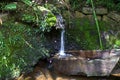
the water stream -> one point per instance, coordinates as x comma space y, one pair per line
60, 24
61, 52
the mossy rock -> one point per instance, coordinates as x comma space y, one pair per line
84, 33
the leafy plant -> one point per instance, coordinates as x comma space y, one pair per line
30, 12
20, 50
20, 46
48, 21
28, 18
112, 39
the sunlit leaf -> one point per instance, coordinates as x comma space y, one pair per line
11, 6
28, 2
117, 42
41, 8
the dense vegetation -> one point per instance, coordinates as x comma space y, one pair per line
22, 39
22, 36
20, 49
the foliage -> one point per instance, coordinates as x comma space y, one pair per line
49, 20
29, 12
28, 18
20, 46
27, 2
112, 39
11, 6
20, 50
42, 16
77, 4
52, 8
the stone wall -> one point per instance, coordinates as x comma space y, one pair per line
103, 14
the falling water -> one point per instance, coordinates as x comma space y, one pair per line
60, 24
61, 52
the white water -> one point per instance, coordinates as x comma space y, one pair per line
61, 52
60, 24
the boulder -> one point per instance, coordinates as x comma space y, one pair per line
66, 14
99, 11
91, 17
89, 63
79, 14
105, 18
109, 20
114, 25
115, 16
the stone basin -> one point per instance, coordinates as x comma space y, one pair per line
89, 63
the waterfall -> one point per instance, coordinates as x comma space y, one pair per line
61, 52
60, 25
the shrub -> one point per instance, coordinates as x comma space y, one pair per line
20, 50
31, 13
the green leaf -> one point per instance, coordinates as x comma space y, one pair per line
88, 1
41, 8
11, 6
28, 18
117, 42
28, 2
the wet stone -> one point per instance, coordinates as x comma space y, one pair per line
115, 16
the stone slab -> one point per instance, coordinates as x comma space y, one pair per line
99, 11
115, 16
96, 63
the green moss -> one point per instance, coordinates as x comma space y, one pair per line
84, 33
